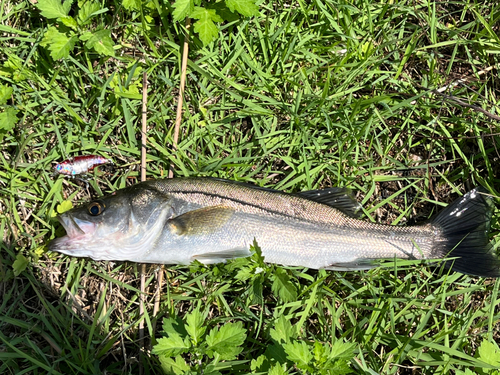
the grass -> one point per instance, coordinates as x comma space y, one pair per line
304, 96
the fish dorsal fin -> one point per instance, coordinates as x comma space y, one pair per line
340, 198
204, 220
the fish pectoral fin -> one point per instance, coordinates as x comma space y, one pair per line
363, 264
340, 198
205, 220
222, 256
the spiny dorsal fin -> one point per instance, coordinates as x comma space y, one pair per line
202, 221
340, 198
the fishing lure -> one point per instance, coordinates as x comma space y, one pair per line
80, 165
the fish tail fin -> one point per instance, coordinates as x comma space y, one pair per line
464, 227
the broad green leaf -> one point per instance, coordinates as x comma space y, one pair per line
256, 291
282, 331
132, 4
244, 274
70, 22
205, 26
105, 46
299, 353
130, 93
256, 363
246, 8
489, 353
223, 11
320, 352
173, 326
19, 264
86, 36
39, 251
100, 41
339, 367
182, 9
257, 254
175, 366
226, 341
171, 346
59, 44
283, 287
194, 325
276, 352
54, 8
86, 11
8, 119
17, 65
277, 369
210, 370
5, 93
341, 350
64, 206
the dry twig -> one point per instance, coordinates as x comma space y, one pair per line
143, 178
178, 119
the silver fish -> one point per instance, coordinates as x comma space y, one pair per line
177, 221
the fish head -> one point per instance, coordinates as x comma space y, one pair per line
121, 226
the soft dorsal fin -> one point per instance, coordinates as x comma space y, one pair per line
340, 198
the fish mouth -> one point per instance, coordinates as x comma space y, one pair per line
77, 233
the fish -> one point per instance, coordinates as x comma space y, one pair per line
181, 220
79, 165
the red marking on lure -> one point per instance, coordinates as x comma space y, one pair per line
80, 165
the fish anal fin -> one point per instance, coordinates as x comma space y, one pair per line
340, 198
362, 264
205, 220
222, 255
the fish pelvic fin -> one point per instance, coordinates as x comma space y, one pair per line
464, 227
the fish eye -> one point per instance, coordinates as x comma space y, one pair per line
96, 208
